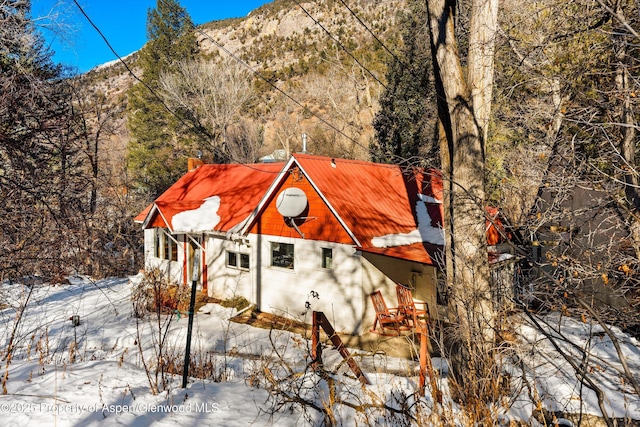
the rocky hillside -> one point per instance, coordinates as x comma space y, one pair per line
318, 70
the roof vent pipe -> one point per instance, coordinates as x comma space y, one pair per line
304, 143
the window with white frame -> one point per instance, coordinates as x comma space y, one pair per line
327, 258
238, 260
282, 255
165, 246
244, 261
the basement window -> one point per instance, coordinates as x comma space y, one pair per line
327, 258
282, 255
238, 260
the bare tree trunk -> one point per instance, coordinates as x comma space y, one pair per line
462, 154
482, 34
625, 116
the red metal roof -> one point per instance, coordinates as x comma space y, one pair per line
374, 202
372, 199
424, 253
240, 188
377, 200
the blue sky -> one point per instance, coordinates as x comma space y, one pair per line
123, 23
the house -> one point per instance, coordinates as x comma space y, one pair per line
581, 238
313, 232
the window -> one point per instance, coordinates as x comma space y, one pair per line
165, 246
238, 260
173, 249
166, 250
282, 255
244, 261
327, 258
157, 246
232, 259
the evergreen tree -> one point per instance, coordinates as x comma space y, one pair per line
158, 146
405, 124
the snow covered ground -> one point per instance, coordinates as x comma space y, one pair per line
101, 380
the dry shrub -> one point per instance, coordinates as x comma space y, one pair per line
238, 302
155, 293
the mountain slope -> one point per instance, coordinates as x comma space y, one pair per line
318, 69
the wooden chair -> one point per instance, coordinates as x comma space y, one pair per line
387, 318
407, 307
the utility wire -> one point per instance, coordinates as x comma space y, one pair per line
256, 73
195, 129
369, 30
399, 60
153, 92
232, 55
122, 60
341, 45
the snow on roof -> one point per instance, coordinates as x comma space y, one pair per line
276, 156
377, 201
425, 233
500, 257
372, 199
239, 188
204, 218
386, 209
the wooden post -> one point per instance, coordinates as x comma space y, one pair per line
422, 329
423, 359
316, 345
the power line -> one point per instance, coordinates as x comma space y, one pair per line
196, 129
369, 30
341, 45
395, 57
155, 95
256, 73
232, 55
159, 99
119, 57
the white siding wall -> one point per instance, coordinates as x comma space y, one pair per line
222, 281
343, 291
172, 269
284, 291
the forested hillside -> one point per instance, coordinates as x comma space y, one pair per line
317, 71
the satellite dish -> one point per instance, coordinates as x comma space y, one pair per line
291, 202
